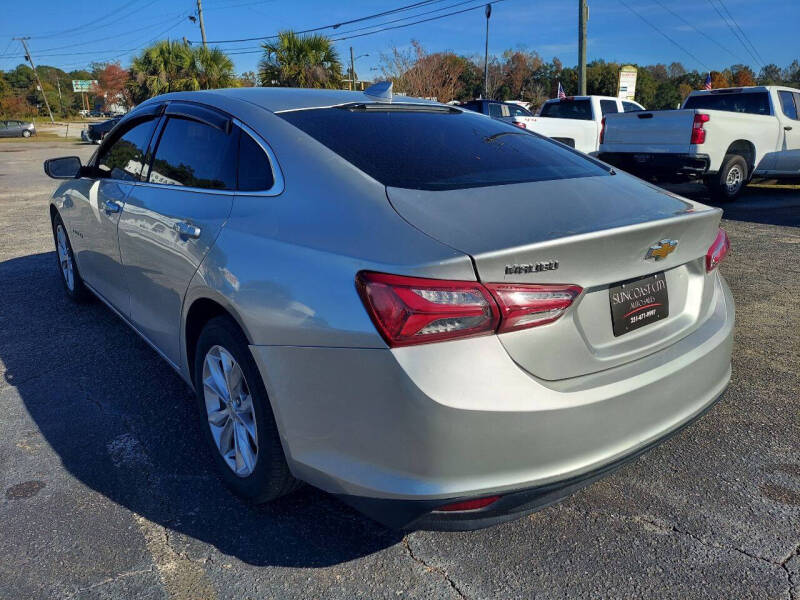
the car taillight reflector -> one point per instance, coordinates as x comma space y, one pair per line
698, 133
524, 306
413, 310
718, 250
520, 124
470, 504
602, 130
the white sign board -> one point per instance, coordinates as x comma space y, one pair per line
627, 83
83, 85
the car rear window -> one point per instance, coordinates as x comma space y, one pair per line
438, 148
755, 103
568, 109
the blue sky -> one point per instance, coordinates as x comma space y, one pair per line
71, 34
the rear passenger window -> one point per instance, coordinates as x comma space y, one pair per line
255, 171
787, 104
608, 107
495, 110
124, 158
194, 154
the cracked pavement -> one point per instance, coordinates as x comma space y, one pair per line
106, 491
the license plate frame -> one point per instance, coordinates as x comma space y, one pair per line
638, 302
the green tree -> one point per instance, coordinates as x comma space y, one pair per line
213, 69
308, 61
163, 67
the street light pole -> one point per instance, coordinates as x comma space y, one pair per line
486, 56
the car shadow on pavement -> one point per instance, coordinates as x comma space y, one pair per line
774, 205
126, 426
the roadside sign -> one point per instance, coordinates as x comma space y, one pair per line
83, 85
627, 82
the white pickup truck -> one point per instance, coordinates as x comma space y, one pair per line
576, 120
724, 137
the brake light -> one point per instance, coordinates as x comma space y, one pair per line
520, 124
524, 306
698, 133
413, 310
602, 129
470, 504
718, 250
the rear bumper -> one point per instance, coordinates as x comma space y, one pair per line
398, 433
658, 164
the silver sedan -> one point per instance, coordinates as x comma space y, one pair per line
440, 318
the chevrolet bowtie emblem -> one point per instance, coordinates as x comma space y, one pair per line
660, 250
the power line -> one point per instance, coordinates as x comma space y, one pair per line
725, 8
668, 38
701, 32
333, 25
735, 33
85, 25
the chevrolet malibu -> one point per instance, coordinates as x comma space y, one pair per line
441, 319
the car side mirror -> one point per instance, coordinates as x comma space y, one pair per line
66, 167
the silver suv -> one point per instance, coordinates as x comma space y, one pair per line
442, 319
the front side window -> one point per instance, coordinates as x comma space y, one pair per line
194, 154
518, 111
125, 158
438, 148
495, 110
568, 109
630, 107
787, 104
608, 107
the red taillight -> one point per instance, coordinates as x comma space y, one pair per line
698, 133
602, 130
523, 306
470, 504
520, 124
718, 250
412, 310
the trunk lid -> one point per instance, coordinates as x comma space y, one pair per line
649, 128
598, 230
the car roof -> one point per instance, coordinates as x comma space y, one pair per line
276, 99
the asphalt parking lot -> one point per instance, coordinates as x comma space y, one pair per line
106, 491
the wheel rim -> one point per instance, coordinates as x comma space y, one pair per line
230, 411
734, 179
65, 258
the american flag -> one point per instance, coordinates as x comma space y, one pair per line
561, 93
708, 82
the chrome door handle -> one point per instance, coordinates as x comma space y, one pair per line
185, 229
111, 207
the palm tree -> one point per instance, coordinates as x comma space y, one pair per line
174, 67
300, 61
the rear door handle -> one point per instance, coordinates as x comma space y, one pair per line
111, 207
185, 229
787, 128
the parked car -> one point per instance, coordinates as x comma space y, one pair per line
577, 120
723, 137
95, 132
17, 129
441, 319
505, 111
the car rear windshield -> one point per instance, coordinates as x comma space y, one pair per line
438, 148
755, 103
568, 109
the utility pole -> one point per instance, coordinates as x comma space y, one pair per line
583, 17
352, 71
202, 24
60, 99
488, 12
39, 81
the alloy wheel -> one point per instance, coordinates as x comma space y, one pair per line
734, 179
230, 411
65, 258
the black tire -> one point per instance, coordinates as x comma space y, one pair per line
729, 182
77, 292
270, 478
